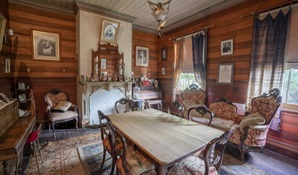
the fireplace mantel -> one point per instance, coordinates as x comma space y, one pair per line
90, 87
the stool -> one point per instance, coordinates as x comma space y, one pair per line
33, 139
148, 103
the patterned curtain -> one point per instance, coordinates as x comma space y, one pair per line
199, 47
178, 53
268, 54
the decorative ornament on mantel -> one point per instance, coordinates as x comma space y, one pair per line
160, 13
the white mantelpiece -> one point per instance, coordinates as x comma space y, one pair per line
90, 88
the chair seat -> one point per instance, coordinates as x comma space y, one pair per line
107, 145
136, 163
191, 165
57, 116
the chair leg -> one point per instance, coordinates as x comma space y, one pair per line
103, 159
77, 123
53, 126
35, 152
39, 150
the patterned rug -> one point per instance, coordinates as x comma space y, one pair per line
82, 155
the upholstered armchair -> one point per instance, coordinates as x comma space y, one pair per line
192, 97
59, 108
251, 132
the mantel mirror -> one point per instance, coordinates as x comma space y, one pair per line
107, 63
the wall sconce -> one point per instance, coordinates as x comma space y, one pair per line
28, 69
64, 70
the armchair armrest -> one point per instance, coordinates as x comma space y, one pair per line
258, 127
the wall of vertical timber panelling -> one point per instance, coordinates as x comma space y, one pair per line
228, 24
6, 80
43, 75
148, 40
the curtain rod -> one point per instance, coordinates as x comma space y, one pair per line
191, 33
270, 9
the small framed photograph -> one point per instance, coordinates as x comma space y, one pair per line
46, 45
109, 31
227, 47
163, 70
225, 73
7, 65
103, 63
2, 29
164, 54
142, 56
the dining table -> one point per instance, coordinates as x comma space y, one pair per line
164, 138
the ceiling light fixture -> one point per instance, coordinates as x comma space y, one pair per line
160, 13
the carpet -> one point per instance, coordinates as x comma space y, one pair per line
82, 155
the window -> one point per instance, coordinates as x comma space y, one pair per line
185, 79
290, 88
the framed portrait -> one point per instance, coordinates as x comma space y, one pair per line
227, 47
163, 70
7, 65
225, 73
142, 56
109, 31
2, 29
46, 45
164, 54
103, 63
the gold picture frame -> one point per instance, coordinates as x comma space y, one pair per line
109, 31
2, 29
45, 45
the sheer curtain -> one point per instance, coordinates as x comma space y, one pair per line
199, 47
268, 54
178, 53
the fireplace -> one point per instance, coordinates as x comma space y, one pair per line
101, 95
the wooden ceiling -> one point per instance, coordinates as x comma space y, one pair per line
181, 11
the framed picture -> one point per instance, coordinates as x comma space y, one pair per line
7, 65
109, 31
142, 56
2, 29
46, 45
163, 70
103, 63
225, 73
227, 47
164, 54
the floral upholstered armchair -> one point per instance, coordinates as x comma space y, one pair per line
252, 130
192, 97
59, 108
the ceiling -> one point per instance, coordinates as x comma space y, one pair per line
138, 11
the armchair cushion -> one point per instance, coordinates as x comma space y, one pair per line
57, 116
191, 165
63, 105
252, 119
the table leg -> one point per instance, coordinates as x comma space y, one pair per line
161, 170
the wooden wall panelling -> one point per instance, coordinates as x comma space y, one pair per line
43, 75
145, 40
285, 142
6, 80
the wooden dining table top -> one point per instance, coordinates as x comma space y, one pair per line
165, 138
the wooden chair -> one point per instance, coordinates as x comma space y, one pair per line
105, 136
202, 115
129, 161
174, 107
128, 103
33, 139
210, 162
59, 108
